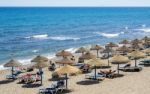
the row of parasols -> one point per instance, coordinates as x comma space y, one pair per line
41, 61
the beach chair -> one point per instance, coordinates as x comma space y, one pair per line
54, 88
92, 77
145, 63
124, 67
131, 69
11, 77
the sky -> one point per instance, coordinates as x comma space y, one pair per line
52, 3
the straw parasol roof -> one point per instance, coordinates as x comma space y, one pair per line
39, 58
87, 56
96, 62
136, 41
96, 47
124, 42
41, 62
147, 51
63, 53
67, 69
136, 54
119, 59
13, 63
107, 50
124, 49
111, 44
146, 38
81, 50
65, 60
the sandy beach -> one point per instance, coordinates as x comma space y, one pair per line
130, 83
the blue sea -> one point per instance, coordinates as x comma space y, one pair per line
26, 32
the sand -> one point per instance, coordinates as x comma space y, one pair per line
131, 83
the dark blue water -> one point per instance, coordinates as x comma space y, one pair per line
23, 31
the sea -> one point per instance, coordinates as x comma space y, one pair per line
28, 31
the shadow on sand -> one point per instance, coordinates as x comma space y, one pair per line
6, 81
31, 85
88, 82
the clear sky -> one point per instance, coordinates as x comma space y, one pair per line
74, 2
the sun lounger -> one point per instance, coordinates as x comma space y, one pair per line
92, 77
145, 63
131, 69
11, 77
54, 88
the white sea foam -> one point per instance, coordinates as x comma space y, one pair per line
64, 38
108, 35
72, 50
144, 25
126, 28
42, 36
143, 29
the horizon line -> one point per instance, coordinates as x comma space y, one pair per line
82, 6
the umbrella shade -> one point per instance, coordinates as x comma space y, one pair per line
146, 38
40, 58
81, 50
111, 44
63, 53
67, 69
119, 59
136, 54
136, 41
40, 62
147, 51
65, 60
96, 47
124, 49
12, 63
96, 62
88, 55
40, 65
124, 42
108, 50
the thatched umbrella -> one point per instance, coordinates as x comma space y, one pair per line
64, 61
111, 45
81, 50
124, 49
124, 42
136, 41
67, 69
108, 51
97, 48
147, 51
119, 59
136, 55
87, 56
13, 63
97, 63
64, 53
40, 62
146, 38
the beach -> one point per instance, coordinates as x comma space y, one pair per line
130, 83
